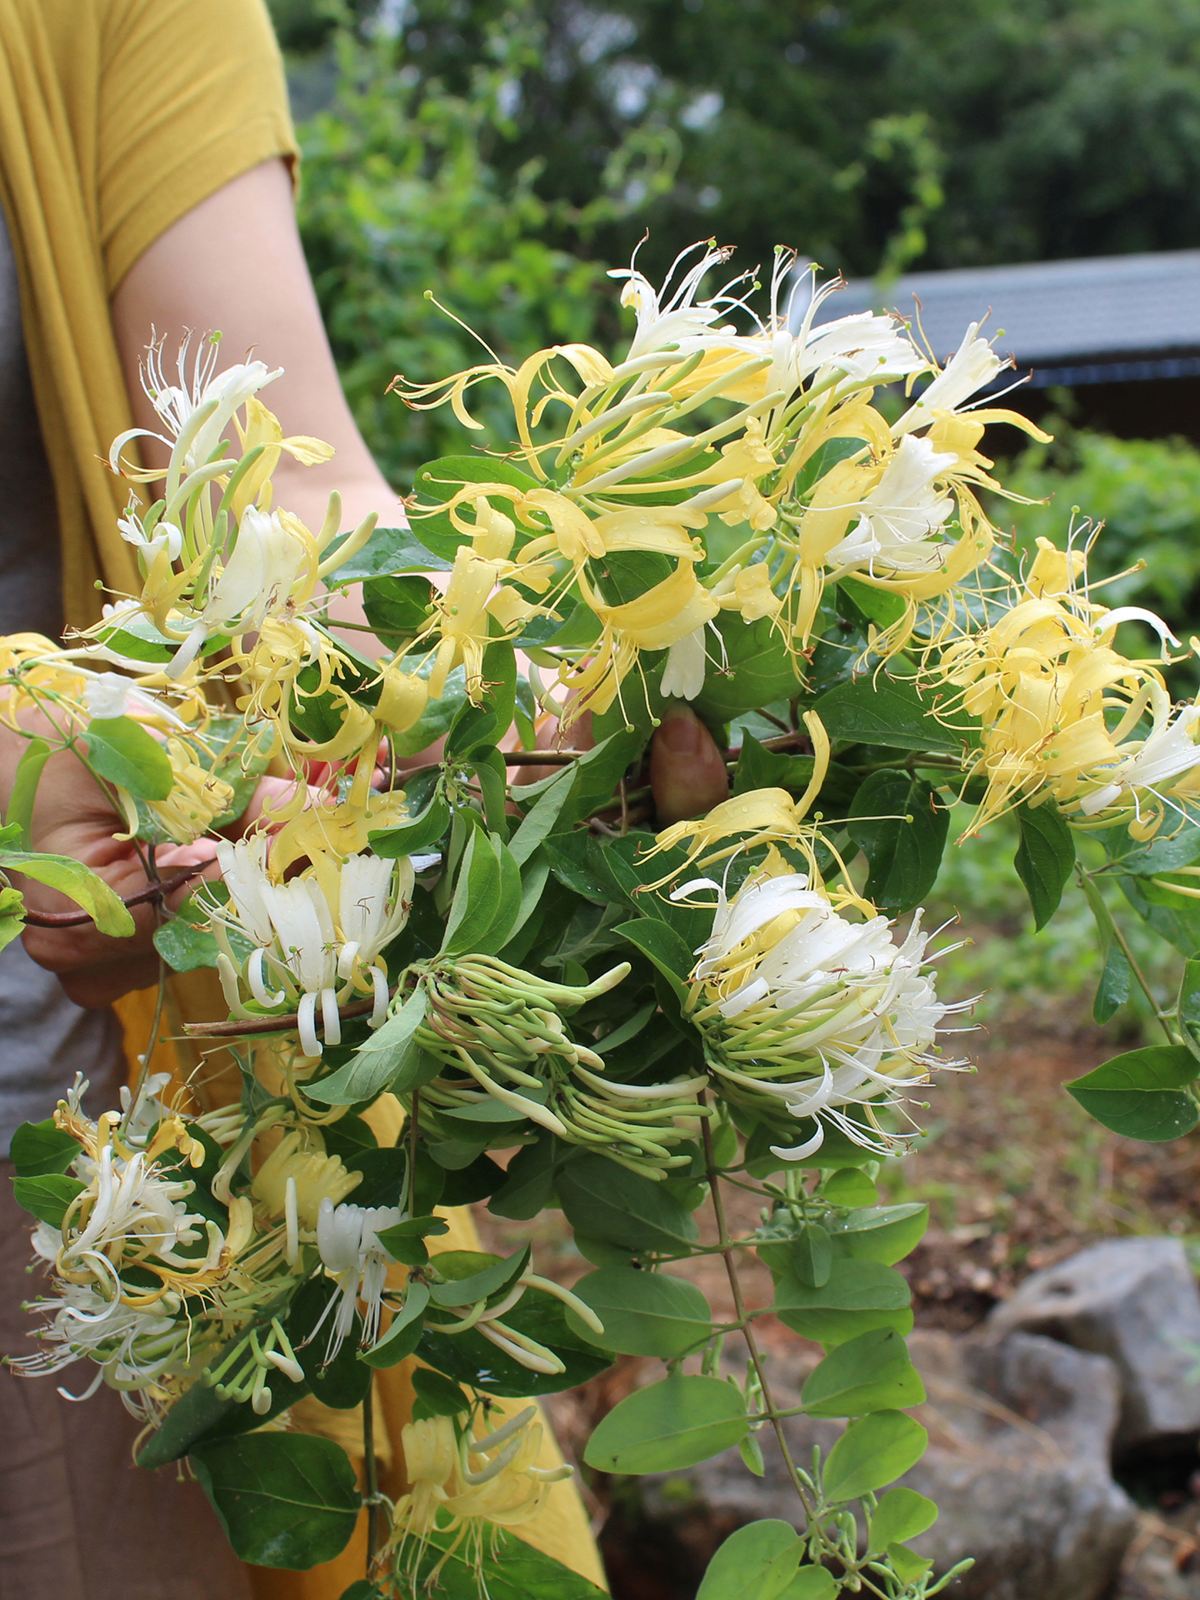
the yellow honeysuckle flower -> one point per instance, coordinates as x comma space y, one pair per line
262, 430
663, 616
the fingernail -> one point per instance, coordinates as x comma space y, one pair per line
683, 734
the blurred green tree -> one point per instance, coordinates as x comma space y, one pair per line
1029, 130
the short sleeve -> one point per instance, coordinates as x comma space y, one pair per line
192, 95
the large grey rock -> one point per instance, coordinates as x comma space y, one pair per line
1136, 1302
1020, 1431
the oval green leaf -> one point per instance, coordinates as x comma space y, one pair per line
668, 1426
872, 1452
644, 1313
1140, 1094
869, 1373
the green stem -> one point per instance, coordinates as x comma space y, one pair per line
770, 1410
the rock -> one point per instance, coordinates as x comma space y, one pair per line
1020, 1431
1135, 1301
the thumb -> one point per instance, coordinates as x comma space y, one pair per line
687, 771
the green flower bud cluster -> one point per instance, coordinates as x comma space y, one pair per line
497, 1031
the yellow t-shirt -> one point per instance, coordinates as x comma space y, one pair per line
117, 117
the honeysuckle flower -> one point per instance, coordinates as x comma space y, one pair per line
295, 1180
971, 368
348, 1242
1147, 768
195, 409
901, 514
866, 347
318, 937
1063, 714
812, 1007
465, 1481
673, 318
663, 616
134, 1348
273, 566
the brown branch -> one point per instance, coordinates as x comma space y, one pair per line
152, 892
239, 1028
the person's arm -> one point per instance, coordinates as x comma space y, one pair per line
235, 263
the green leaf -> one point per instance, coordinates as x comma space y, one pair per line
811, 1255
120, 749
756, 670
404, 1332
12, 916
644, 1313
184, 941
755, 1563
1138, 1094
285, 1499
378, 1062
1044, 858
869, 1373
666, 949
849, 1187
872, 1452
39, 1148
606, 1202
473, 907
510, 1569
473, 1275
880, 1233
436, 1396
47, 1197
879, 708
901, 1514
507, 903
899, 825
389, 551
856, 1296
668, 1426
24, 788
1115, 986
538, 822
396, 607
426, 828
78, 883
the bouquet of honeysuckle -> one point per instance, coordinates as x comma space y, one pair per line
442, 985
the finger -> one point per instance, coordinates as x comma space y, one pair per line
688, 775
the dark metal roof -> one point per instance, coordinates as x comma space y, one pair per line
1103, 319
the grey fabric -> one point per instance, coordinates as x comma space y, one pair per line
44, 1039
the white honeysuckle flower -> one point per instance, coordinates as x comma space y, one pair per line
785, 977
348, 1242
177, 403
270, 559
132, 1346
673, 318
900, 514
133, 1204
166, 535
317, 937
971, 368
1148, 766
864, 347
687, 661
108, 694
